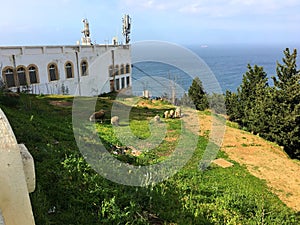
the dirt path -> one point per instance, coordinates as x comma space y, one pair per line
263, 159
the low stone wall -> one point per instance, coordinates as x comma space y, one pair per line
17, 178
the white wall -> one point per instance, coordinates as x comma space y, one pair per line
98, 57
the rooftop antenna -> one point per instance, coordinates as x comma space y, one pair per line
126, 28
86, 40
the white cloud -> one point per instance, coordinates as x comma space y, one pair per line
215, 8
207, 10
147, 4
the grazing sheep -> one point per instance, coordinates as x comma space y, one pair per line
178, 112
166, 114
156, 119
98, 116
115, 121
172, 113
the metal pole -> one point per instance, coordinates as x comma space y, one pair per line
113, 69
78, 72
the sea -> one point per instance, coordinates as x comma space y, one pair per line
227, 65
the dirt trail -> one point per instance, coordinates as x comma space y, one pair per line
263, 159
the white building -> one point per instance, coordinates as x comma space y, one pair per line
84, 69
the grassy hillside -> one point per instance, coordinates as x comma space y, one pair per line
69, 191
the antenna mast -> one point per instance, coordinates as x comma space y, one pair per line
86, 40
126, 28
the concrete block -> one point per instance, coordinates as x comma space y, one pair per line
28, 165
15, 203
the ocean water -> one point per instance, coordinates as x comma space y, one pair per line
227, 64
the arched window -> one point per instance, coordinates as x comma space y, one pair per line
127, 68
122, 69
110, 70
69, 70
8, 75
84, 68
33, 74
117, 70
21, 73
53, 72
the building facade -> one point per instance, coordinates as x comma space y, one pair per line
84, 69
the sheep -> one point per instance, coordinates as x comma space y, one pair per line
115, 121
172, 113
166, 114
178, 112
98, 116
156, 119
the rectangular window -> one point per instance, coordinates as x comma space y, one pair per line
117, 84
123, 82
128, 81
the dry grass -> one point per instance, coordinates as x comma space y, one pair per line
264, 160
61, 103
222, 163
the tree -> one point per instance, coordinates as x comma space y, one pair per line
286, 95
197, 94
247, 106
255, 89
273, 112
217, 103
232, 104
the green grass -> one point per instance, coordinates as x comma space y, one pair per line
81, 196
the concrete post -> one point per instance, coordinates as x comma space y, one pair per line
16, 178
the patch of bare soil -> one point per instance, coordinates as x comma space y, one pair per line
61, 103
222, 163
263, 159
266, 161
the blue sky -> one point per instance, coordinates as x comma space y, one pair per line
35, 22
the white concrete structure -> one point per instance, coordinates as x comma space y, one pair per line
83, 69
17, 178
86, 70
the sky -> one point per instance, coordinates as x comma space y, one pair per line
187, 22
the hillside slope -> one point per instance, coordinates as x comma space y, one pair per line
264, 160
69, 191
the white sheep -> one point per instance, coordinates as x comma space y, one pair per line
115, 121
166, 114
178, 112
172, 112
156, 119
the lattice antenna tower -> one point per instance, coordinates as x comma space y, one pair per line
126, 28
